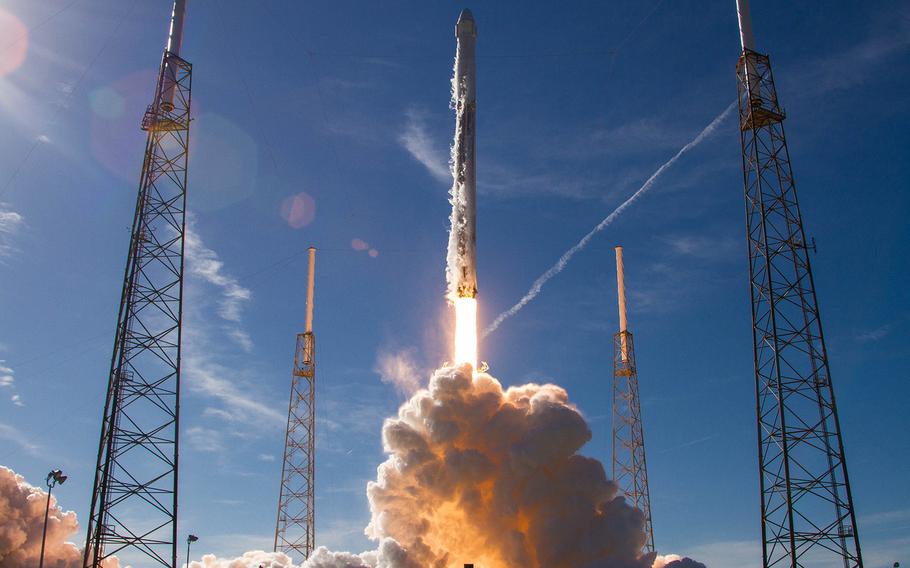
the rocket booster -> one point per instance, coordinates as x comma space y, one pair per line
462, 261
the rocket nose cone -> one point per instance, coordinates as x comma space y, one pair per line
466, 26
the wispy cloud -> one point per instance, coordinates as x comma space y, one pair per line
876, 334
210, 377
739, 553
418, 142
702, 247
400, 369
13, 435
6, 375
10, 224
853, 66
8, 381
885, 517
215, 302
204, 263
205, 439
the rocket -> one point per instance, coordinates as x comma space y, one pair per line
462, 254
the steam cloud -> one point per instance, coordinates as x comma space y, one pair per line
399, 369
674, 561
478, 473
538, 284
21, 523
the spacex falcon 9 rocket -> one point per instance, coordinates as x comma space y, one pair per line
461, 266
463, 238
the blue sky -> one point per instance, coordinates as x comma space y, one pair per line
325, 122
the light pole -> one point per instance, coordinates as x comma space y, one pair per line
189, 540
53, 478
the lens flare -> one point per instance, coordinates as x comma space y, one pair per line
466, 331
12, 55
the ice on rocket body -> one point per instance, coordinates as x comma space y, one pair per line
463, 244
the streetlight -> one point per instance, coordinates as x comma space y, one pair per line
53, 478
189, 539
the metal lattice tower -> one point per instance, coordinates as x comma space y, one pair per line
630, 471
134, 499
295, 530
806, 504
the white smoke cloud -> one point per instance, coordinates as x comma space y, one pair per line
675, 561
478, 473
252, 559
10, 223
417, 141
399, 369
21, 523
563, 261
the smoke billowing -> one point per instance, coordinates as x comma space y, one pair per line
475, 473
253, 559
21, 523
480, 474
674, 561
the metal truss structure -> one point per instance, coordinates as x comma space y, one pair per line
295, 530
134, 499
806, 504
630, 470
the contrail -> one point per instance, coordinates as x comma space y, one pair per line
567, 256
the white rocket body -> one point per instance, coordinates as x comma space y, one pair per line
746, 39
462, 265
174, 43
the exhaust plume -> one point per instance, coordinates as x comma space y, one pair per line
22, 521
674, 561
538, 284
478, 473
491, 476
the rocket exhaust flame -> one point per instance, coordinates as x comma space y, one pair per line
466, 331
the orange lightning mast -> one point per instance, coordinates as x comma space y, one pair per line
295, 530
630, 471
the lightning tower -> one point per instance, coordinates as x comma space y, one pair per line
134, 499
806, 506
630, 470
295, 530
